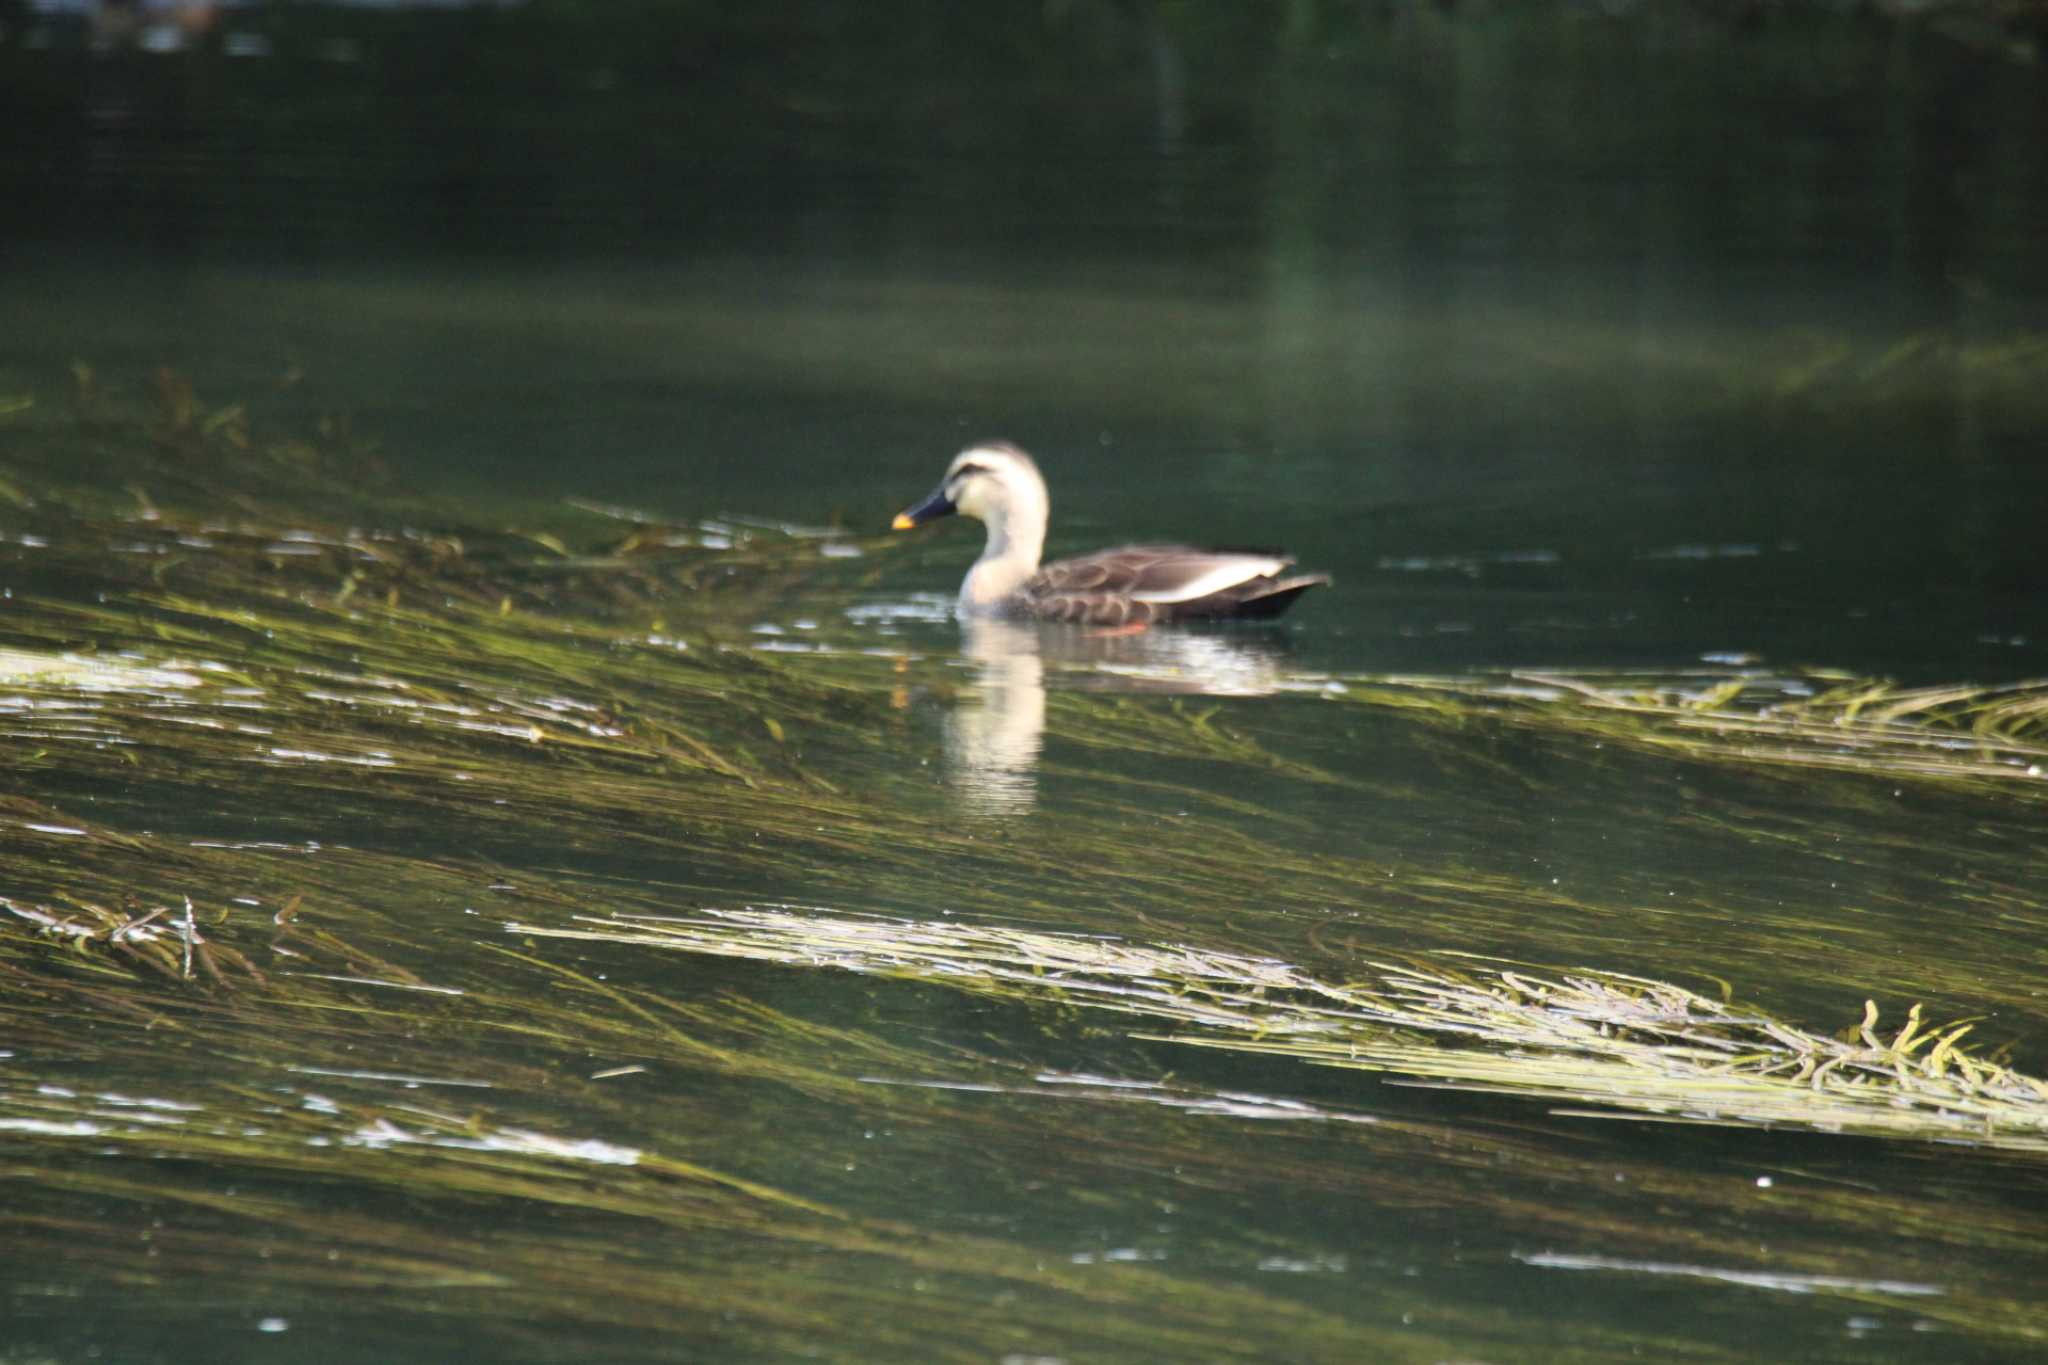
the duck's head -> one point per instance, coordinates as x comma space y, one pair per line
994, 483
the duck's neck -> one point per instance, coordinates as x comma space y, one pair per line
1011, 556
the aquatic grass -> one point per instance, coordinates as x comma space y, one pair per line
146, 486
335, 1064
304, 1076
610, 748
498, 725
1179, 728
1258, 1004
640, 1257
448, 607
1993, 736
301, 1072
279, 791
1831, 372
1627, 1044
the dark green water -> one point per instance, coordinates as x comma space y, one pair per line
1563, 340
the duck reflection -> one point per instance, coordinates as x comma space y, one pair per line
994, 735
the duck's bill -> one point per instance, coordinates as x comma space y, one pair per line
936, 506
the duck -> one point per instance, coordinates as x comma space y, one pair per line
1131, 586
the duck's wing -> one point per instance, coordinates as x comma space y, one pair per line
1137, 584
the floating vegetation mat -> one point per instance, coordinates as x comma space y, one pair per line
1647, 1048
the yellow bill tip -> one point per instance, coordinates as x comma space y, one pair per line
902, 522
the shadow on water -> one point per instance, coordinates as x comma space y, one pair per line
491, 862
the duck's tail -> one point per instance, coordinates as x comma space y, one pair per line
1268, 600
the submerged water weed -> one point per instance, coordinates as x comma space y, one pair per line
1924, 368
284, 772
606, 1130
267, 673
1647, 1046
1992, 737
503, 1076
1627, 1044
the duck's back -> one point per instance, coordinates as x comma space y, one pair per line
1148, 584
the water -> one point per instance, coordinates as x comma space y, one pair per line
1566, 341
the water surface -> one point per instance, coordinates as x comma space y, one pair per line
1567, 343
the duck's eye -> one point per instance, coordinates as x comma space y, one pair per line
964, 470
